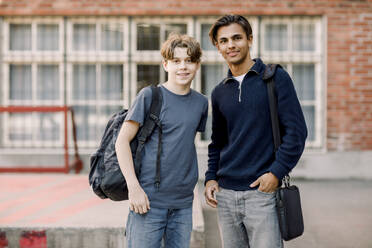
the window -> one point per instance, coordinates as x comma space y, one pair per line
296, 42
20, 37
97, 62
96, 66
211, 75
47, 37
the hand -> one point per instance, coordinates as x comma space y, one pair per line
211, 188
268, 183
138, 201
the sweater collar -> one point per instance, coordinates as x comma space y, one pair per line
257, 68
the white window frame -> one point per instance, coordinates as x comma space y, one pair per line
97, 55
154, 56
33, 54
291, 57
94, 102
98, 58
33, 58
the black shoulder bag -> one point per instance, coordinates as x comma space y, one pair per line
288, 201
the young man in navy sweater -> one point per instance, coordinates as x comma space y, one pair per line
243, 171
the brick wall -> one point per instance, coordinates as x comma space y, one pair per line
349, 43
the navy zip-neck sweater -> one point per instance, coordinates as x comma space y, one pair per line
242, 147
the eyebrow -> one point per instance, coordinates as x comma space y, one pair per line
233, 36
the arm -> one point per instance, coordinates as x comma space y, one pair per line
292, 126
293, 133
138, 201
219, 140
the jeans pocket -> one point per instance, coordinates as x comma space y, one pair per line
265, 193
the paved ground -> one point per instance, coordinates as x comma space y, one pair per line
337, 214
64, 211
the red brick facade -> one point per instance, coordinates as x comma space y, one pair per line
349, 46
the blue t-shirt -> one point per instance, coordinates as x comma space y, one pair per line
181, 117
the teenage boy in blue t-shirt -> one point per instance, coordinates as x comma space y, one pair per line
165, 211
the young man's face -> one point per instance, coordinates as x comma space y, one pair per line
181, 70
233, 43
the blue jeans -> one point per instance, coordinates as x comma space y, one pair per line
174, 226
248, 219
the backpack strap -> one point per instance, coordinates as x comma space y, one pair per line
152, 120
268, 77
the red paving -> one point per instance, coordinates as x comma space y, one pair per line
29, 200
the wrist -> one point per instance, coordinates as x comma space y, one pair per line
211, 183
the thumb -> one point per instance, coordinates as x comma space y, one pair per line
255, 183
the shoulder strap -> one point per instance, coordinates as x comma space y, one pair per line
268, 77
151, 121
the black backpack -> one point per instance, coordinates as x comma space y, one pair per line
105, 176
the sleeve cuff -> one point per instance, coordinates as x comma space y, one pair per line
278, 170
209, 177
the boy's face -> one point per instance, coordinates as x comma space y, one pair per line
181, 70
233, 43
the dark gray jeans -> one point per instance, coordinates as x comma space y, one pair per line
248, 219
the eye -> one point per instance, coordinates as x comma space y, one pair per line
188, 61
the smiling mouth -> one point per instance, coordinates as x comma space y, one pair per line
232, 54
183, 74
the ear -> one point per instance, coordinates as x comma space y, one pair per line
198, 65
250, 41
217, 46
165, 65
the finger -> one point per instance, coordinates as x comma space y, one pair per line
255, 183
136, 209
210, 193
143, 208
213, 204
131, 207
147, 203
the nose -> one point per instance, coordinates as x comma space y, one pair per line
230, 43
182, 64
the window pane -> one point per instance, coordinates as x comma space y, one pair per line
175, 28
304, 81
112, 37
48, 127
47, 37
211, 75
86, 120
147, 75
20, 37
309, 113
148, 37
112, 82
304, 37
20, 82
84, 37
20, 126
84, 82
205, 41
48, 87
276, 37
